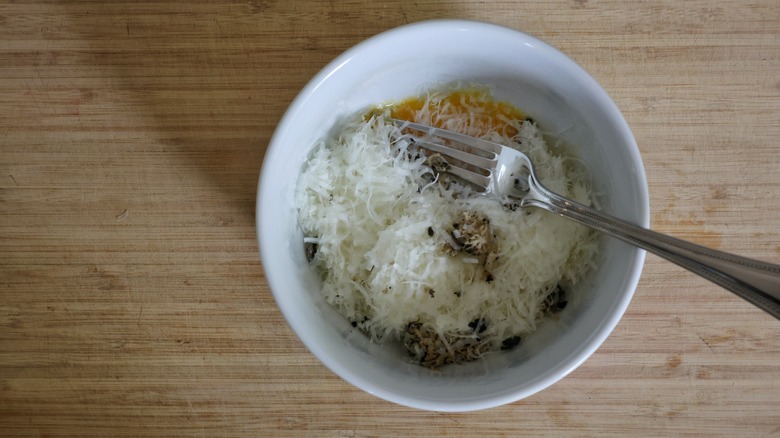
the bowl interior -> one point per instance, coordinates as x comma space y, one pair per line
536, 78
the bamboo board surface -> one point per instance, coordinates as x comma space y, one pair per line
132, 301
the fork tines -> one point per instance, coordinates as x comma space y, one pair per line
468, 158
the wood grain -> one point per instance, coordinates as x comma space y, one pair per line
132, 301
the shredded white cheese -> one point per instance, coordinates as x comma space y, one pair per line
382, 231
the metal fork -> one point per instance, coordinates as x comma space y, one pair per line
503, 171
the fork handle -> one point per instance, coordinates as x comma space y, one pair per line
755, 281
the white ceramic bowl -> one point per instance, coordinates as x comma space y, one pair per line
549, 87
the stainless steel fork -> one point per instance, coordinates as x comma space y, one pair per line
503, 171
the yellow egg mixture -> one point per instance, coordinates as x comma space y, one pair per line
440, 109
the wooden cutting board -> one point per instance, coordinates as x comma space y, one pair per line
132, 301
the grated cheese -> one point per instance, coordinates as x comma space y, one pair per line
385, 247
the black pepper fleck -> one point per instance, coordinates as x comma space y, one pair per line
555, 301
478, 325
311, 251
510, 343
430, 231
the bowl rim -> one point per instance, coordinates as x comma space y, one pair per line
594, 341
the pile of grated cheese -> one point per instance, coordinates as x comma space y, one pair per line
383, 232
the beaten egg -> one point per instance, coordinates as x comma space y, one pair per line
485, 113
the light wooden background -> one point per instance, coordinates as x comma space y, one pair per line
132, 301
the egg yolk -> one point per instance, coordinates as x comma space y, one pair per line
484, 113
